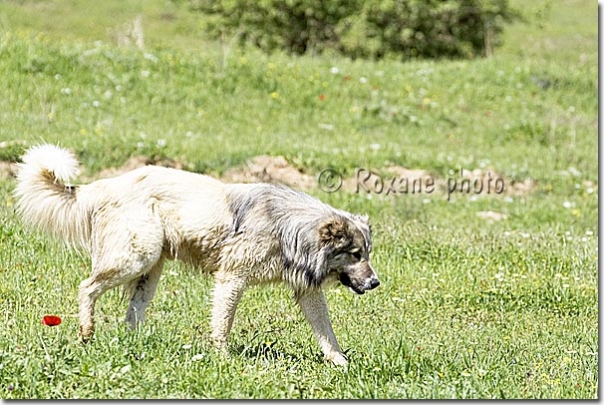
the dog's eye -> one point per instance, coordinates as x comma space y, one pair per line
356, 255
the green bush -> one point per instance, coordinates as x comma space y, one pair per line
367, 29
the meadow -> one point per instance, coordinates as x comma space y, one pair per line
482, 295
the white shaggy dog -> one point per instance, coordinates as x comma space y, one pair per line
240, 233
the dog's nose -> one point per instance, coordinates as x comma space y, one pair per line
374, 283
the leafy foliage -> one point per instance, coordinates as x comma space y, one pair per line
368, 29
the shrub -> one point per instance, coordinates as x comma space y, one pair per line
368, 29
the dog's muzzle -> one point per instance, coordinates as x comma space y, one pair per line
360, 281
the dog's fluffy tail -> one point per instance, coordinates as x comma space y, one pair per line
46, 200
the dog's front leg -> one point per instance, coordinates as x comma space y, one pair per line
226, 296
314, 307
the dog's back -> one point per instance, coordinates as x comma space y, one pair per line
186, 202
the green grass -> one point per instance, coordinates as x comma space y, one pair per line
467, 308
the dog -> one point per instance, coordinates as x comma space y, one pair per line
241, 234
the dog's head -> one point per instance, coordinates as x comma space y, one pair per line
347, 244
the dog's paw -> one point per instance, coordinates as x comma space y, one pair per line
221, 346
339, 360
218, 342
86, 334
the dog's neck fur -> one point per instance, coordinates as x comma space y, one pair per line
294, 218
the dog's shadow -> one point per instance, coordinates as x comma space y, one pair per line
264, 351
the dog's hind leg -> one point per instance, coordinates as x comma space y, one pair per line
142, 290
125, 246
226, 295
314, 307
90, 290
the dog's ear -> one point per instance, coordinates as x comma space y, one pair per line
333, 232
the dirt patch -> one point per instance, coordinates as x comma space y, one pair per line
395, 180
270, 169
277, 170
392, 179
410, 174
7, 170
134, 163
493, 182
520, 188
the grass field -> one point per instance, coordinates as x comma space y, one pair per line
468, 307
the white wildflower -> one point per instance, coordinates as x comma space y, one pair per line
197, 357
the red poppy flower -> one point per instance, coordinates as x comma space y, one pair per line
51, 320
322, 97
